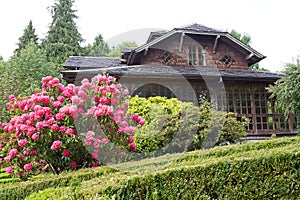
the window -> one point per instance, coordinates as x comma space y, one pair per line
152, 90
166, 57
227, 60
197, 55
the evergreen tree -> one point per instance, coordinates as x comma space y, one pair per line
100, 47
63, 39
116, 52
28, 36
245, 38
22, 74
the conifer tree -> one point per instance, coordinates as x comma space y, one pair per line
100, 47
63, 39
27, 37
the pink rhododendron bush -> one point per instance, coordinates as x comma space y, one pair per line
67, 127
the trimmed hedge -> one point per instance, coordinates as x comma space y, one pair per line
23, 189
269, 175
255, 170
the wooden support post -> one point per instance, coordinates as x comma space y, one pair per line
273, 114
253, 110
216, 44
181, 41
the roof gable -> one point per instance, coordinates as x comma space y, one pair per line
253, 56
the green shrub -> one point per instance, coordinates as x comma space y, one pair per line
25, 188
255, 175
175, 126
170, 124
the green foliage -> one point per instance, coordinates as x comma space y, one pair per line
116, 52
236, 176
27, 37
246, 38
63, 39
174, 126
23, 189
100, 47
22, 74
161, 116
233, 129
286, 90
2, 62
224, 172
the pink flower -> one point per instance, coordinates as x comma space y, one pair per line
27, 167
90, 135
132, 147
55, 81
95, 164
7, 159
35, 136
73, 164
70, 131
129, 129
20, 174
11, 97
46, 79
66, 153
51, 121
95, 154
26, 152
105, 141
56, 145
13, 153
54, 127
59, 116
97, 144
60, 99
130, 139
34, 152
125, 92
62, 129
20, 155
142, 121
10, 170
39, 125
56, 104
22, 143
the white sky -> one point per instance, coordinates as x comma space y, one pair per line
272, 25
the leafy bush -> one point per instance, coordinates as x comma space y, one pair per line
175, 126
51, 129
169, 123
22, 74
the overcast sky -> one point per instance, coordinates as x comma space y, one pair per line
272, 25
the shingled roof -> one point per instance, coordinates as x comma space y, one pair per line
82, 62
199, 28
185, 71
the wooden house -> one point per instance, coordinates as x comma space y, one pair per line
190, 61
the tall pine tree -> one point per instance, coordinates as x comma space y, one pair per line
63, 39
27, 37
100, 47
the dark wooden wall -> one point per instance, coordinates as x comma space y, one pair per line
178, 51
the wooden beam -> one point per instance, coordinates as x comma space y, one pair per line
249, 56
216, 44
181, 41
